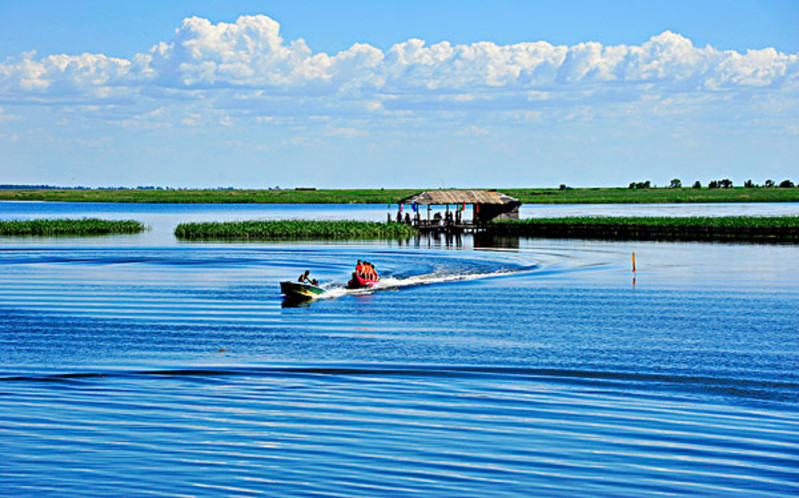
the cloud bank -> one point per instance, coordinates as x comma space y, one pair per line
247, 67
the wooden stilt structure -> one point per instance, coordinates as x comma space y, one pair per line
486, 207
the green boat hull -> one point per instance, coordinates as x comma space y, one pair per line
297, 290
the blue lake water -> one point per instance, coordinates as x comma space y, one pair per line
137, 365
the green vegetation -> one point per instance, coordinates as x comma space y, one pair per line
564, 195
211, 196
294, 229
730, 228
652, 195
85, 226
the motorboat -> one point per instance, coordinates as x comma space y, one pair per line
300, 290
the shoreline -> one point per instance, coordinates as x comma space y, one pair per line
530, 196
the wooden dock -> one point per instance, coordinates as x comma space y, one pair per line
433, 226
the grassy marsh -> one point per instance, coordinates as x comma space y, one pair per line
84, 226
728, 228
293, 229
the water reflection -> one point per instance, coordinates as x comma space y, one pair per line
479, 240
295, 302
487, 240
439, 239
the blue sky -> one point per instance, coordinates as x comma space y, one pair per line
397, 94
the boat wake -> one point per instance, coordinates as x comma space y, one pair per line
388, 283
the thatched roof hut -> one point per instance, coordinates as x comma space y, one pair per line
444, 197
488, 205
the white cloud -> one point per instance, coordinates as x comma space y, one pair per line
63, 73
247, 67
13, 137
247, 53
473, 131
346, 132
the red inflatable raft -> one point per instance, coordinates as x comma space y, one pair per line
358, 282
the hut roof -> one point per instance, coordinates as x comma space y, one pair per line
441, 197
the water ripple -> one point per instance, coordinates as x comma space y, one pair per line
394, 430
538, 369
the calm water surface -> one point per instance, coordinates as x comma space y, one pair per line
139, 365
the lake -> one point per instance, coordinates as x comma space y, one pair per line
140, 365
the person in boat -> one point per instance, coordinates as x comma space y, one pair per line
370, 273
366, 273
306, 279
359, 268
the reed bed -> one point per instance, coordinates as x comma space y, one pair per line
294, 229
84, 226
728, 228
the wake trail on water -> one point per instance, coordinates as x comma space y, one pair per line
394, 283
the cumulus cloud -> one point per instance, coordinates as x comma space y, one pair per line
248, 66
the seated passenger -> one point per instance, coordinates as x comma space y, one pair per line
364, 273
371, 273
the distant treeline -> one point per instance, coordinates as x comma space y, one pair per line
675, 183
39, 187
713, 184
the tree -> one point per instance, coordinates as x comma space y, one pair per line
725, 183
769, 183
675, 183
713, 184
749, 184
697, 184
786, 184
